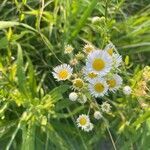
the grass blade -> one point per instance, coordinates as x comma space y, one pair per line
83, 19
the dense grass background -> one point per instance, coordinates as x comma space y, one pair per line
32, 42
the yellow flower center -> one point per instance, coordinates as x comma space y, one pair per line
69, 49
111, 83
78, 83
92, 75
99, 87
82, 121
63, 74
110, 51
88, 49
98, 64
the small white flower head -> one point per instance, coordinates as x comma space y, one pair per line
82, 99
117, 60
89, 127
98, 87
68, 49
73, 96
80, 56
109, 49
90, 75
12, 58
99, 61
106, 107
146, 73
78, 84
83, 121
88, 48
97, 115
127, 90
73, 62
114, 82
62, 72
96, 20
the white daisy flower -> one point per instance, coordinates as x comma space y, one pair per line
83, 121
117, 60
98, 87
114, 82
106, 107
73, 96
109, 49
97, 115
89, 127
68, 49
99, 61
88, 48
62, 72
127, 90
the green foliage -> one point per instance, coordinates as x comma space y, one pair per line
35, 112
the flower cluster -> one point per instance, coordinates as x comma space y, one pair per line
83, 121
95, 74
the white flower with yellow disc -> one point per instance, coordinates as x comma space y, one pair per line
88, 48
83, 121
109, 49
99, 61
117, 60
68, 49
114, 82
98, 87
62, 72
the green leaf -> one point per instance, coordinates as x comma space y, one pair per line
7, 24
55, 138
20, 71
3, 42
63, 104
83, 19
57, 92
141, 119
32, 78
73, 112
28, 136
